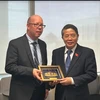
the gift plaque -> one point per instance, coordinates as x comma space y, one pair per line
51, 73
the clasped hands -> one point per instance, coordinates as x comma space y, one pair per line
64, 81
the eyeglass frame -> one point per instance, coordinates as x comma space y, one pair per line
37, 25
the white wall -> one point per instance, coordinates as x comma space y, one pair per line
3, 32
13, 18
84, 14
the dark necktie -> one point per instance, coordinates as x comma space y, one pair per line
35, 54
68, 60
36, 61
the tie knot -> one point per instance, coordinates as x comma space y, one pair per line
69, 52
34, 43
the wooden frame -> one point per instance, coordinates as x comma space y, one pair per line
51, 72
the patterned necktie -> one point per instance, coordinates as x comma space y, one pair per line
35, 54
36, 61
68, 60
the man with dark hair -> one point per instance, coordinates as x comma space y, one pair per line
78, 65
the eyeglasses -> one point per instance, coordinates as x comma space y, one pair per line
38, 25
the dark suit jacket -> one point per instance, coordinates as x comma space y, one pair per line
19, 63
82, 70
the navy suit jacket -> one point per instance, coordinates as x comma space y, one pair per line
82, 69
19, 63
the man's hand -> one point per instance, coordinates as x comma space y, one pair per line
37, 74
53, 83
66, 81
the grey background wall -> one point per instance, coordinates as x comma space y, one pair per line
84, 14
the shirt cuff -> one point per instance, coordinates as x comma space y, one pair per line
72, 80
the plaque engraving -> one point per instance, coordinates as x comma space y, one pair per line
51, 72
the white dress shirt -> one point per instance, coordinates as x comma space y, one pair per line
71, 55
32, 49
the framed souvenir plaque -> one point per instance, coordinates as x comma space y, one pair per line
51, 73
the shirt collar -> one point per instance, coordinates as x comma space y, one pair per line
30, 40
73, 49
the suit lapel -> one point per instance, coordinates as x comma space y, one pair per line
41, 49
27, 47
75, 58
62, 63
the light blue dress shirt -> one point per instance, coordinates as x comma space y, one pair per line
32, 49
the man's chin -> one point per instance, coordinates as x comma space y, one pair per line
38, 36
70, 46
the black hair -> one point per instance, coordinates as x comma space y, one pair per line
69, 26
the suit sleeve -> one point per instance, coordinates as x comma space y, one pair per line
12, 65
53, 58
90, 70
